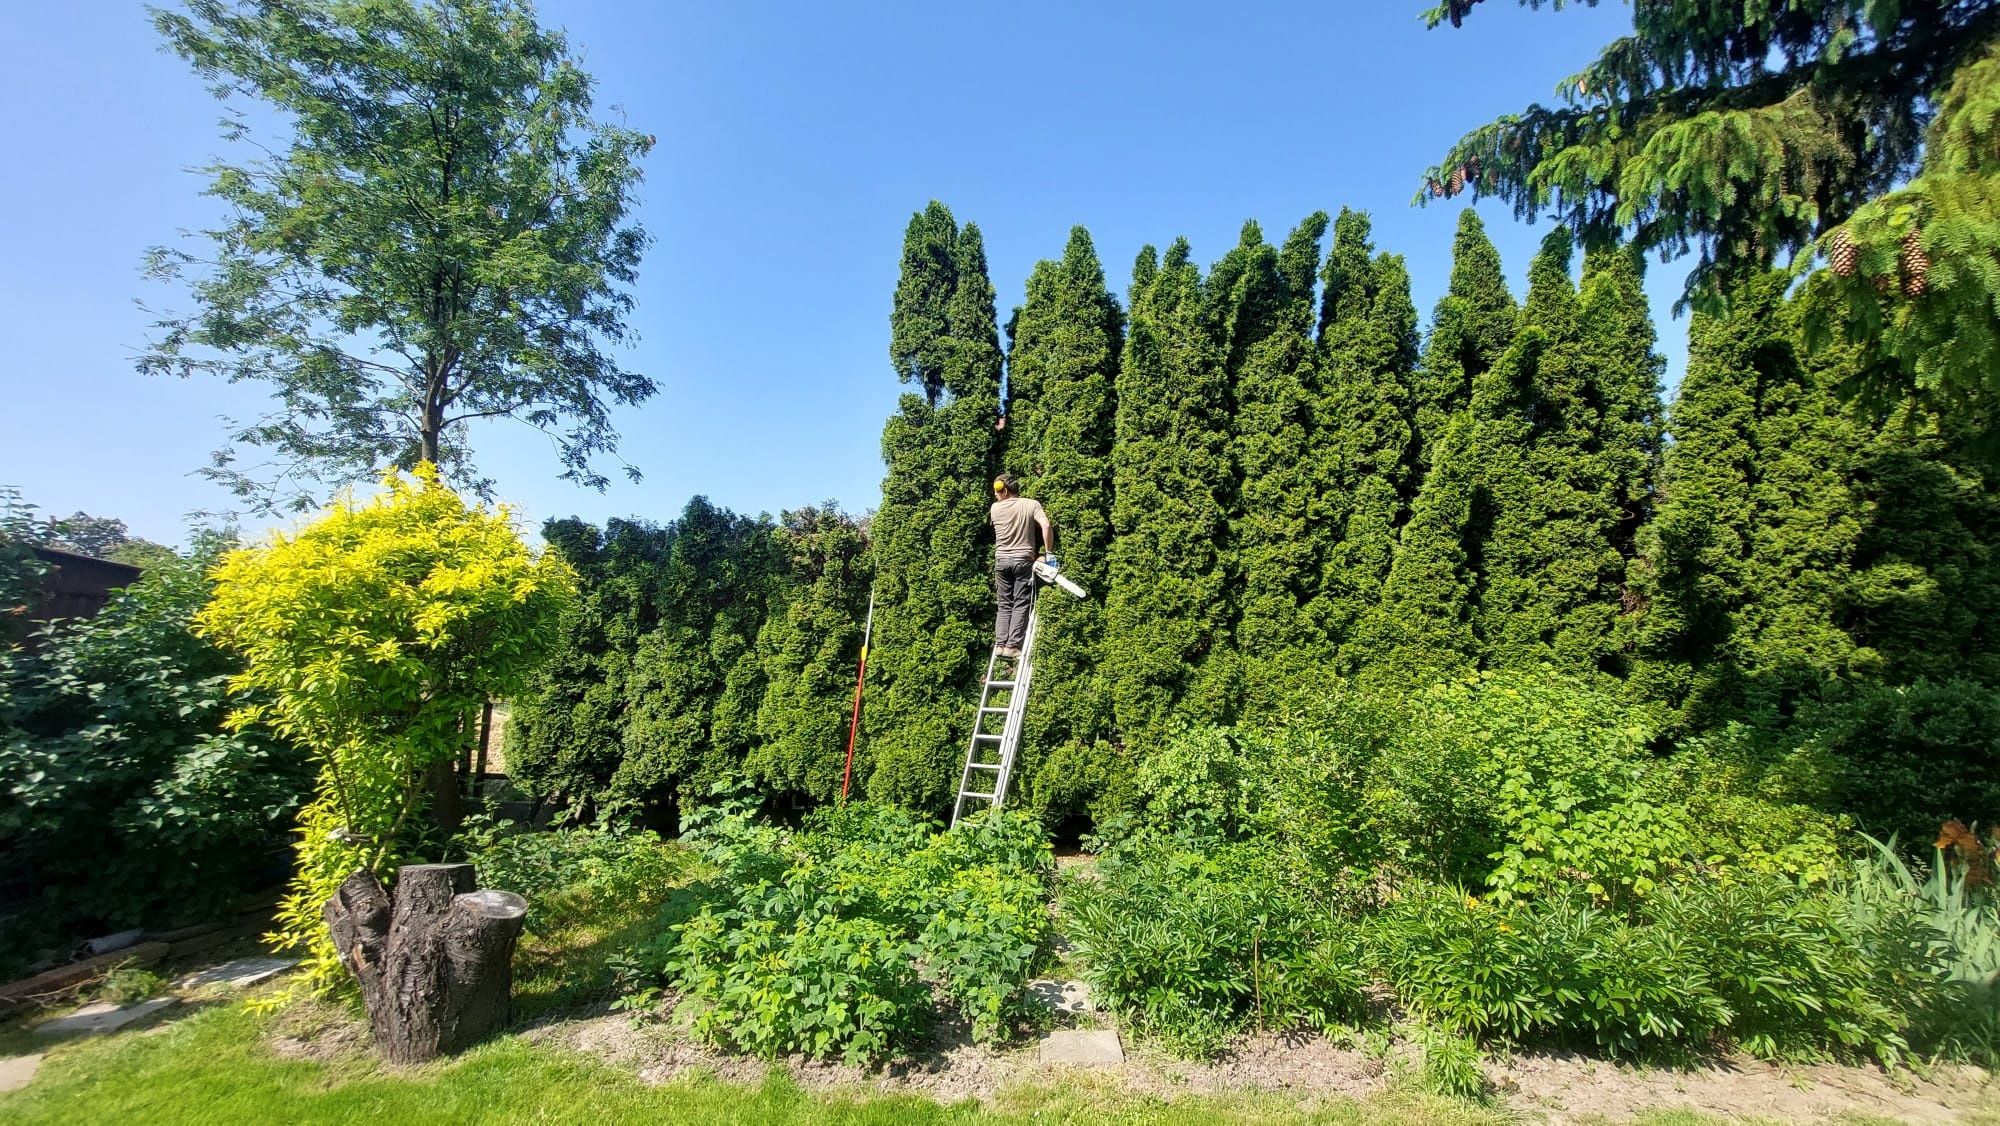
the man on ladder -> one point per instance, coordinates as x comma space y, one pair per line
1016, 520
989, 754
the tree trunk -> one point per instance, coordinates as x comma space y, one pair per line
435, 963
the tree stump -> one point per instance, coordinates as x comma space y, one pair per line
436, 964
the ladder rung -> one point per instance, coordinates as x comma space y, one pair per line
999, 684
993, 738
994, 711
982, 766
970, 794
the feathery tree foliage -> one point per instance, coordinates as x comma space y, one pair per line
566, 733
1743, 569
932, 555
1263, 310
443, 238
1551, 467
695, 685
1472, 324
1062, 372
1168, 614
1753, 133
1368, 353
806, 653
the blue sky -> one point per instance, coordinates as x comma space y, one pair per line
795, 141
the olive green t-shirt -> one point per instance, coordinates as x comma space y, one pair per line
1014, 531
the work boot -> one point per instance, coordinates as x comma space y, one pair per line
1008, 652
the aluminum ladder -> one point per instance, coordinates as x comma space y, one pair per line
989, 755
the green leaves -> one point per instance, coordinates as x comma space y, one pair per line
450, 591
824, 942
441, 238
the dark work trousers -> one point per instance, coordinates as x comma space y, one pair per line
1014, 589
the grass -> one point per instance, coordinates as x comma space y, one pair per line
214, 1067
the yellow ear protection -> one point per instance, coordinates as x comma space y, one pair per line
999, 485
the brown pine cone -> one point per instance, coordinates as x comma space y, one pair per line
1456, 183
1916, 265
1842, 254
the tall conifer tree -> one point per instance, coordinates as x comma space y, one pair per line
1471, 326
693, 693
806, 653
1422, 627
1368, 353
933, 571
1545, 519
1264, 323
1062, 372
1167, 612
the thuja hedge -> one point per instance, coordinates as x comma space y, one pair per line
1270, 472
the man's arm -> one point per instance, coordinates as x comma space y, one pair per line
1048, 530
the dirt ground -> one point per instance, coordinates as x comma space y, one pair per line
1542, 1088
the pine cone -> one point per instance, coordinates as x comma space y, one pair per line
1916, 265
1843, 254
1456, 184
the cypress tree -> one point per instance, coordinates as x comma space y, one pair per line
806, 653
1264, 324
692, 697
1368, 353
1167, 613
1421, 629
1625, 389
1542, 510
1471, 326
1062, 372
565, 735
932, 556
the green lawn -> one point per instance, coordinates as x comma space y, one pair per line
213, 1067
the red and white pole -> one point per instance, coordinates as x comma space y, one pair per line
860, 678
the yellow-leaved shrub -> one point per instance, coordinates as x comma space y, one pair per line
368, 637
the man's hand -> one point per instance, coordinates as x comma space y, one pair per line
1054, 563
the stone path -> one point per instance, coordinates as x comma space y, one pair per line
1083, 1048
239, 974
101, 1017
16, 1072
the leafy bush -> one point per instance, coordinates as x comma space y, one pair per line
122, 799
823, 941
1192, 945
371, 637
1877, 965
1907, 758
571, 875
1525, 784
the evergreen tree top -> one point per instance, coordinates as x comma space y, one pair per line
1760, 134
918, 325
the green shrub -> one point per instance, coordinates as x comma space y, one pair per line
830, 940
1908, 758
818, 984
571, 875
1562, 969
122, 799
1525, 784
1191, 945
371, 637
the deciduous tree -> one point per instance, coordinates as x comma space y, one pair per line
441, 237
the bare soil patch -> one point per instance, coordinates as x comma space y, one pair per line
1541, 1088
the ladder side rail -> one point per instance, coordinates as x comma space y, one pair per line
972, 743
1017, 704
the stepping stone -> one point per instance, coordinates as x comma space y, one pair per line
239, 974
19, 1071
1062, 996
1083, 1048
102, 1017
